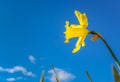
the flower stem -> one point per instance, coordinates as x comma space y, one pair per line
108, 47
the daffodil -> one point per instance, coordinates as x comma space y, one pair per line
77, 31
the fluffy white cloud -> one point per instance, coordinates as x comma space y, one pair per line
62, 75
32, 59
17, 69
13, 79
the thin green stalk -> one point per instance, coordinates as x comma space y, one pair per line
88, 75
108, 47
56, 77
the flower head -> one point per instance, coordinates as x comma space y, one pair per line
77, 31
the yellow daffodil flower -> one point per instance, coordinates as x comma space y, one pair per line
77, 31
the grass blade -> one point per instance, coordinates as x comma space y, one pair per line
116, 74
88, 75
56, 77
42, 77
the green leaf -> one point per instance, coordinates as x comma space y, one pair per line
42, 77
116, 74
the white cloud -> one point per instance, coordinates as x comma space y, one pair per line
10, 79
62, 75
13, 79
32, 59
17, 69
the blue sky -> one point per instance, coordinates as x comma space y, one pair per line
32, 39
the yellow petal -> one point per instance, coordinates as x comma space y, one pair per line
76, 49
83, 43
82, 18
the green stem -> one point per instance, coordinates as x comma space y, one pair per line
88, 75
108, 47
56, 77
